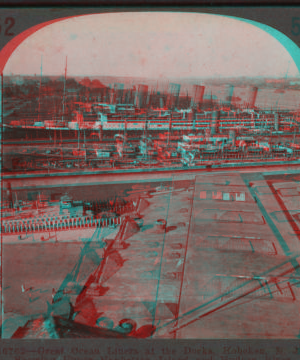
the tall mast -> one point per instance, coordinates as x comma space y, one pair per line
40, 88
64, 95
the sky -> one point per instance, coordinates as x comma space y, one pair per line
152, 45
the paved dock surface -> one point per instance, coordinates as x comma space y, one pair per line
216, 256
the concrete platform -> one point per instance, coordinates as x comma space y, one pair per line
222, 262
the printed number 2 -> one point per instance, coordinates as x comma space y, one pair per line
296, 26
10, 21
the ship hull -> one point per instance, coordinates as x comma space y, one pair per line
31, 134
52, 135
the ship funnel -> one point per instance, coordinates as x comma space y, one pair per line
253, 97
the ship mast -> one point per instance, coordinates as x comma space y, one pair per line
40, 88
295, 122
64, 96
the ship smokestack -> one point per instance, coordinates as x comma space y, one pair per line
230, 95
161, 102
215, 122
276, 121
253, 97
232, 136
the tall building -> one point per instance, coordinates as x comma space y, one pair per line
110, 94
141, 96
197, 95
118, 93
173, 95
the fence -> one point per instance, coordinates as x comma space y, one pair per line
64, 222
246, 156
41, 225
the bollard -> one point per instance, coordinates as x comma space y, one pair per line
161, 224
